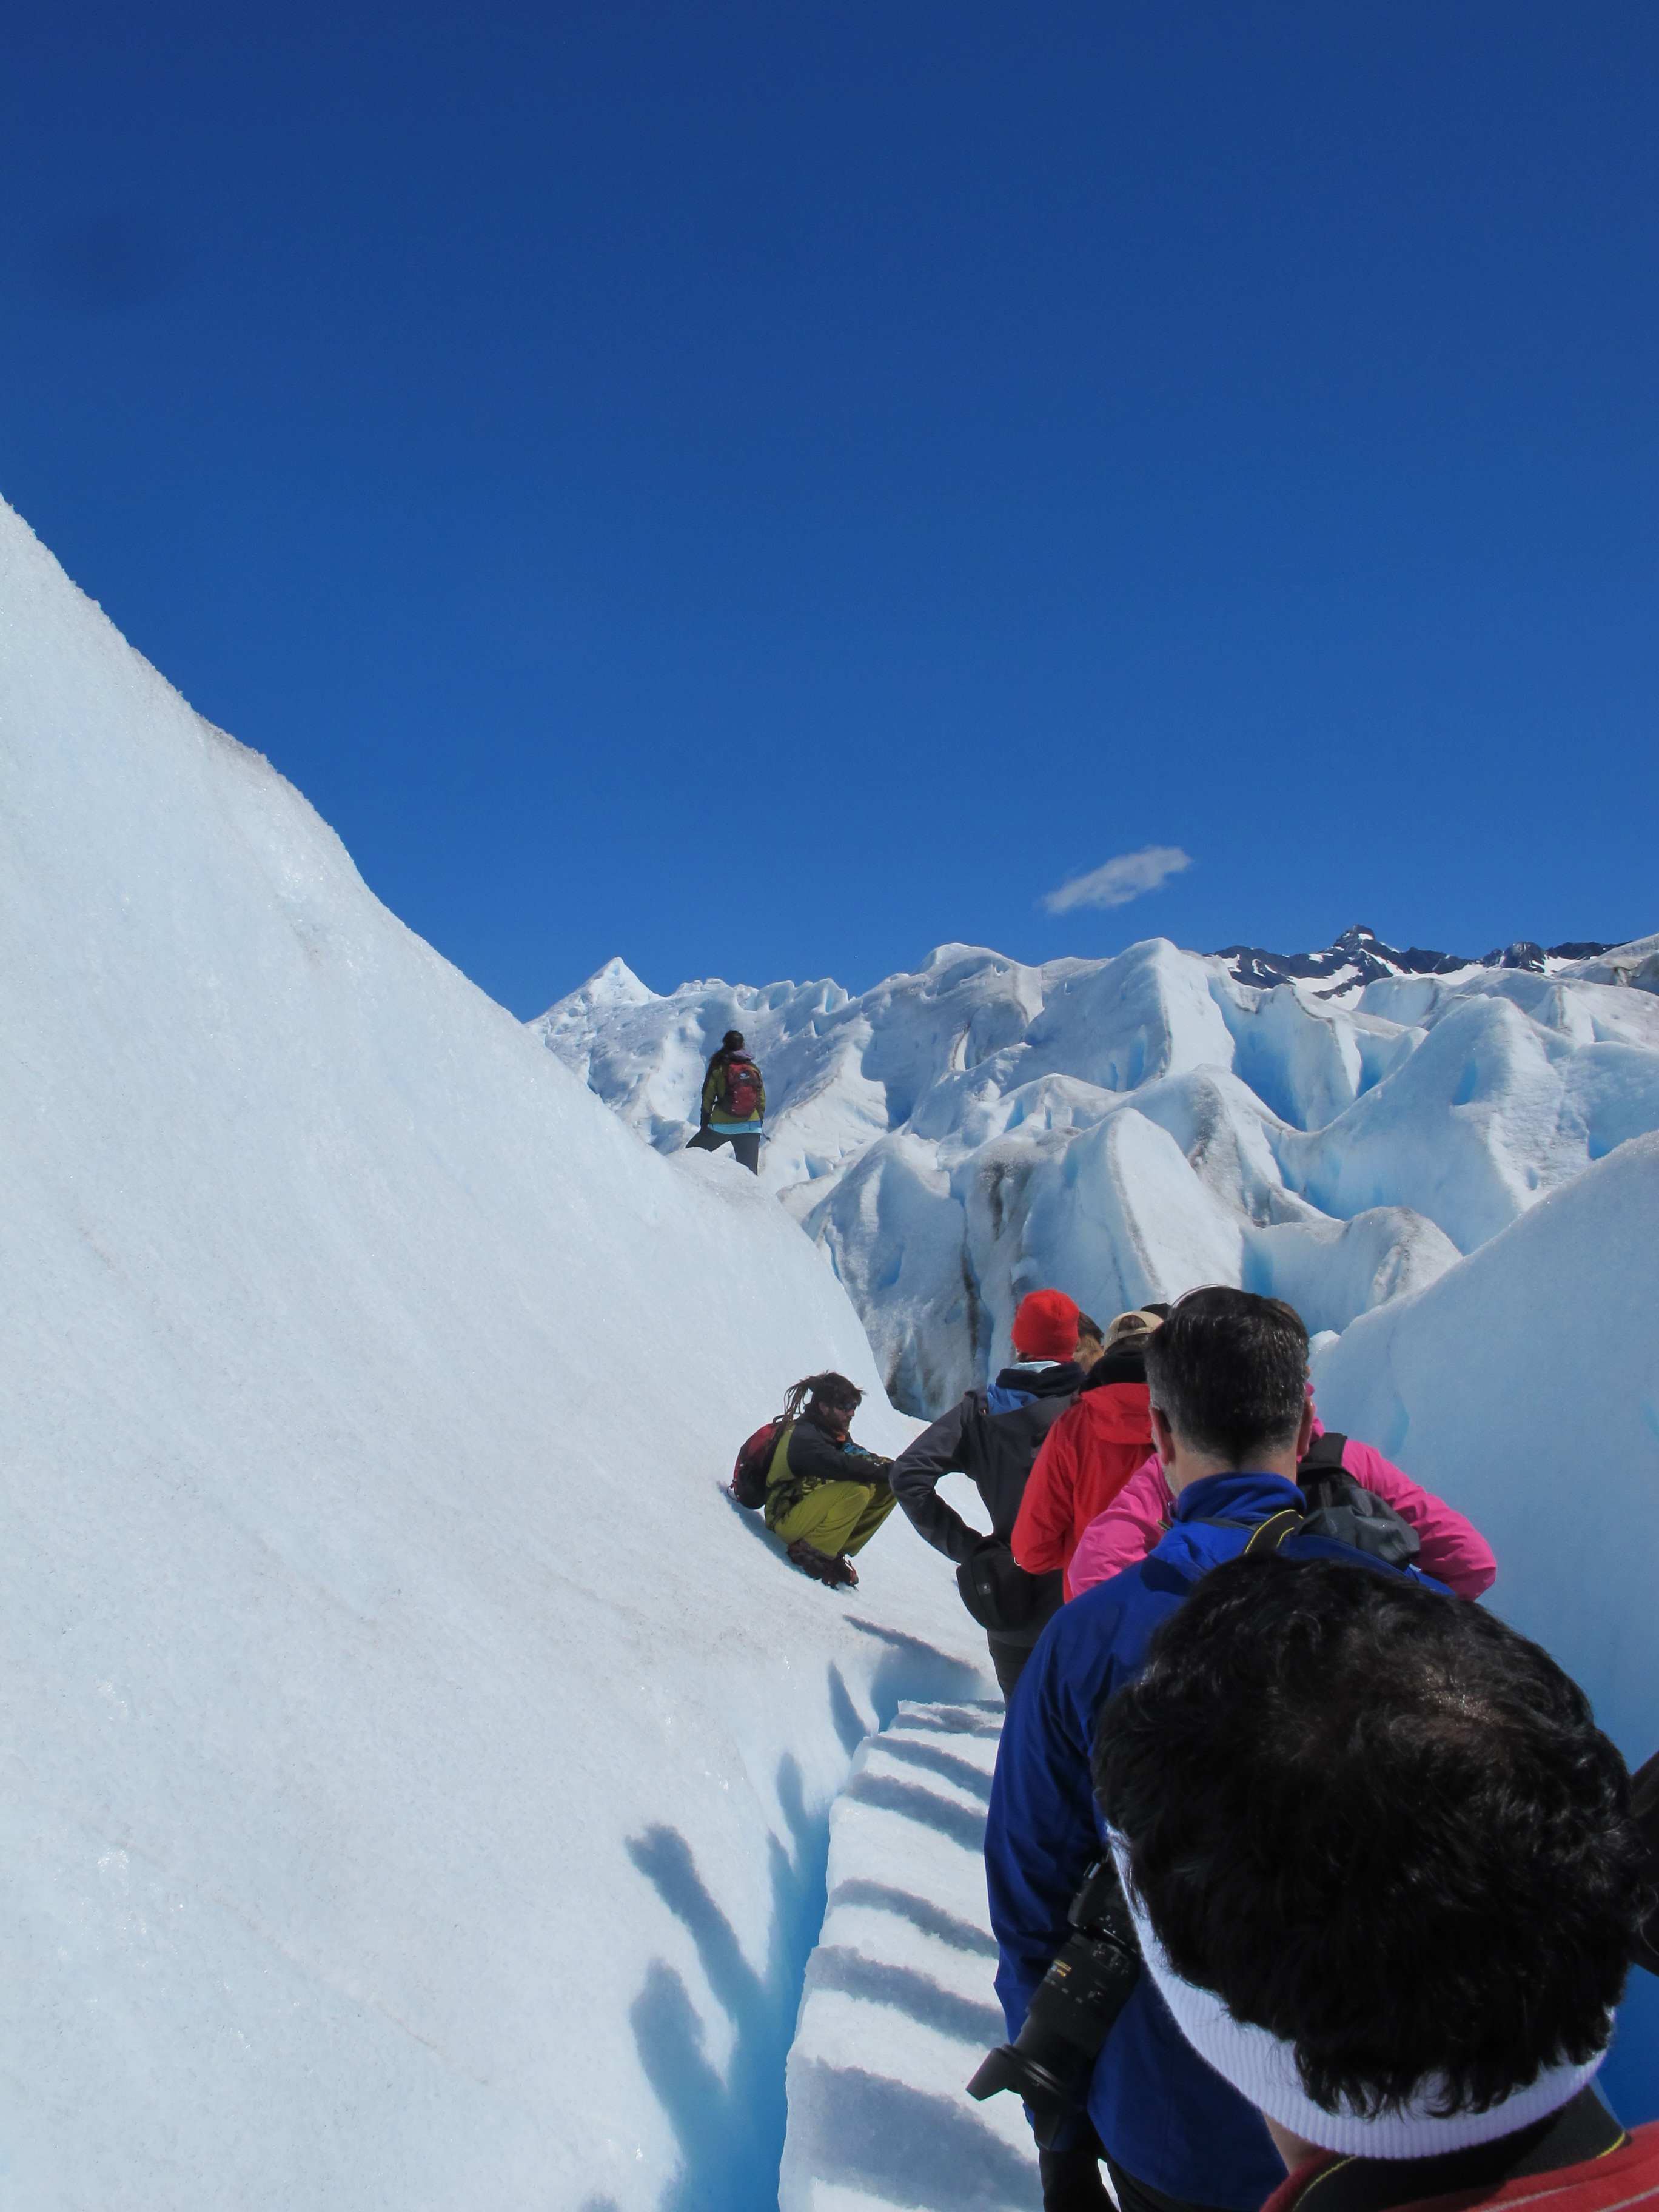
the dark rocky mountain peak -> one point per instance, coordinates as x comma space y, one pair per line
1359, 955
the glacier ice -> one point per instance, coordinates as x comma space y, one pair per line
419, 1771
1129, 1126
425, 1784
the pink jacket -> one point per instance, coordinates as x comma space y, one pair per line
1453, 1549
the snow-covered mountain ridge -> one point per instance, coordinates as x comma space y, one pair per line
1359, 957
1131, 1125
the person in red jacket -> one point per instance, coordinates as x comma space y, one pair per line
1090, 1452
1385, 1874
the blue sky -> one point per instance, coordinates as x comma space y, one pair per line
765, 490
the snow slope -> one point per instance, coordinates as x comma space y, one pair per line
1127, 1128
418, 1771
1524, 1384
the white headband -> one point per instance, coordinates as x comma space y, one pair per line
1262, 2069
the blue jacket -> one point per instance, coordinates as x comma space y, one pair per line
1165, 2116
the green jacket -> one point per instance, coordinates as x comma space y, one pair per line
804, 1458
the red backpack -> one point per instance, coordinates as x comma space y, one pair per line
754, 1463
744, 1090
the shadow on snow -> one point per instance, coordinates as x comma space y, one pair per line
730, 2130
906, 1989
920, 1912
903, 2145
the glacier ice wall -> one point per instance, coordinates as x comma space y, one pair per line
1128, 1127
418, 1771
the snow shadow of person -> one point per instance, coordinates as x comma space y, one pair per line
947, 1765
911, 1671
901, 2144
921, 1911
730, 2130
911, 1802
906, 1989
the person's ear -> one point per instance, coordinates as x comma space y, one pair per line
1304, 1433
1163, 1437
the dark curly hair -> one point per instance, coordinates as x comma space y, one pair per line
1380, 1824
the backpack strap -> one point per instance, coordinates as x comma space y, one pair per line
1324, 1452
1266, 1535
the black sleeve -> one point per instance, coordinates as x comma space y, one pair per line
916, 1475
815, 1459
1644, 1808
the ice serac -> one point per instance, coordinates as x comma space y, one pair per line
419, 1771
1524, 1385
1335, 1129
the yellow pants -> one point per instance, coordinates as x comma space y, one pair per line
833, 1516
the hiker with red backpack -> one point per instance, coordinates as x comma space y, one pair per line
823, 1495
733, 1104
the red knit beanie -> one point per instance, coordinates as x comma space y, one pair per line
1045, 1325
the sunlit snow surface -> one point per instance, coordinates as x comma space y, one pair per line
425, 1789
417, 1770
1128, 1127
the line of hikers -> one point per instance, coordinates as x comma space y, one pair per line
1060, 1448
1308, 1880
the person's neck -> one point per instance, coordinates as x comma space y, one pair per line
1295, 2150
1184, 1464
1183, 1468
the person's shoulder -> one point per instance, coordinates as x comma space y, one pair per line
1096, 1617
1362, 1460
1619, 2181
1192, 1547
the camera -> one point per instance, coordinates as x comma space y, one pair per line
1051, 2060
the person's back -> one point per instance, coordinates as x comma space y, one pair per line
992, 1437
1090, 1452
733, 1104
1451, 1547
1230, 1416
1383, 1873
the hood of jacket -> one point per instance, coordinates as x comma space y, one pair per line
1115, 1367
1114, 1412
1018, 1385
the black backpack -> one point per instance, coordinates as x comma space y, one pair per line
999, 1594
1343, 1508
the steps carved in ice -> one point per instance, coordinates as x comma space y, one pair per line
897, 2007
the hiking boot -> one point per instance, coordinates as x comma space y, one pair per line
822, 1568
849, 1575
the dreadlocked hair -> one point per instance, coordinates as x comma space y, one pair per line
826, 1389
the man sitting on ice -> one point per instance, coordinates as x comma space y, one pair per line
1384, 1875
825, 1496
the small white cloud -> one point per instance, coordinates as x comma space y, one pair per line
1130, 876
